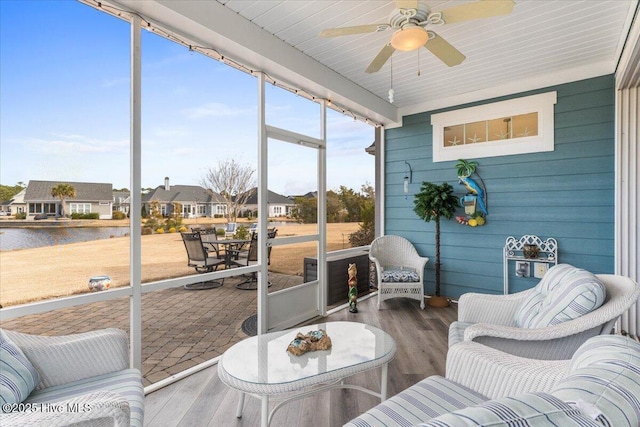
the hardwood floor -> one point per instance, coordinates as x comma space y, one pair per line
421, 336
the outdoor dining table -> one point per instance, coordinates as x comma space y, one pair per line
231, 248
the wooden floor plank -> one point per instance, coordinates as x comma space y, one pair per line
420, 335
182, 401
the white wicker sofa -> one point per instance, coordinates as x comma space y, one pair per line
81, 380
599, 386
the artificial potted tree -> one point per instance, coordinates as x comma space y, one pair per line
432, 203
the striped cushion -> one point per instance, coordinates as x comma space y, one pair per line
399, 275
429, 398
531, 409
604, 381
125, 383
564, 293
18, 377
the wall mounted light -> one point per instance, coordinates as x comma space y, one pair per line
408, 178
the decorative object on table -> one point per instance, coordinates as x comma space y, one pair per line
312, 341
431, 203
298, 346
352, 271
475, 201
99, 283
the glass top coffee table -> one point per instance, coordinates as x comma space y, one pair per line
261, 366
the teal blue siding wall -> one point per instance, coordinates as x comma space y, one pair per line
567, 194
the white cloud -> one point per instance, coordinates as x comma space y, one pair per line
76, 144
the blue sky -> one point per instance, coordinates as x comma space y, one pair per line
64, 108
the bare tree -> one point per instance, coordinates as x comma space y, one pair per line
234, 182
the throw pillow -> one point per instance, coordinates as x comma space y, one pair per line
564, 293
604, 380
18, 377
399, 274
531, 409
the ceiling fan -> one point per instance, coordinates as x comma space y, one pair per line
412, 21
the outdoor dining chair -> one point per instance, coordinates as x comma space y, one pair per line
250, 257
201, 260
209, 237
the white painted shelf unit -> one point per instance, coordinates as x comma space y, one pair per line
514, 251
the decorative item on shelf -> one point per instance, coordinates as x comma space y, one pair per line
431, 203
352, 296
530, 251
475, 201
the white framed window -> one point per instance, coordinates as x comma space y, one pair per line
221, 209
81, 208
202, 210
516, 126
277, 211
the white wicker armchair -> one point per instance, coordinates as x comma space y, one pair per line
85, 376
489, 320
397, 254
494, 373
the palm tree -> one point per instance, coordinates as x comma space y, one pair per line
62, 192
432, 202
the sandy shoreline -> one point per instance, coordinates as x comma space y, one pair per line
40, 273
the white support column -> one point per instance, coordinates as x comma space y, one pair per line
263, 209
627, 202
135, 162
380, 180
322, 212
627, 169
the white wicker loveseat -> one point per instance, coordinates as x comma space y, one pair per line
82, 380
598, 387
399, 269
490, 320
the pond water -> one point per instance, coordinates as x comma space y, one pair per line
22, 238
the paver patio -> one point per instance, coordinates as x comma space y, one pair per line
180, 328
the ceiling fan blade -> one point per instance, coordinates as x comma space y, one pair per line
380, 59
346, 31
476, 10
406, 4
444, 51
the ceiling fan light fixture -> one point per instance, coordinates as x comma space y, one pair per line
409, 38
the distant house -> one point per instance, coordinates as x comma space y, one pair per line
278, 205
121, 201
16, 204
91, 197
194, 201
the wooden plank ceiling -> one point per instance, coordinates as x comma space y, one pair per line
539, 44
